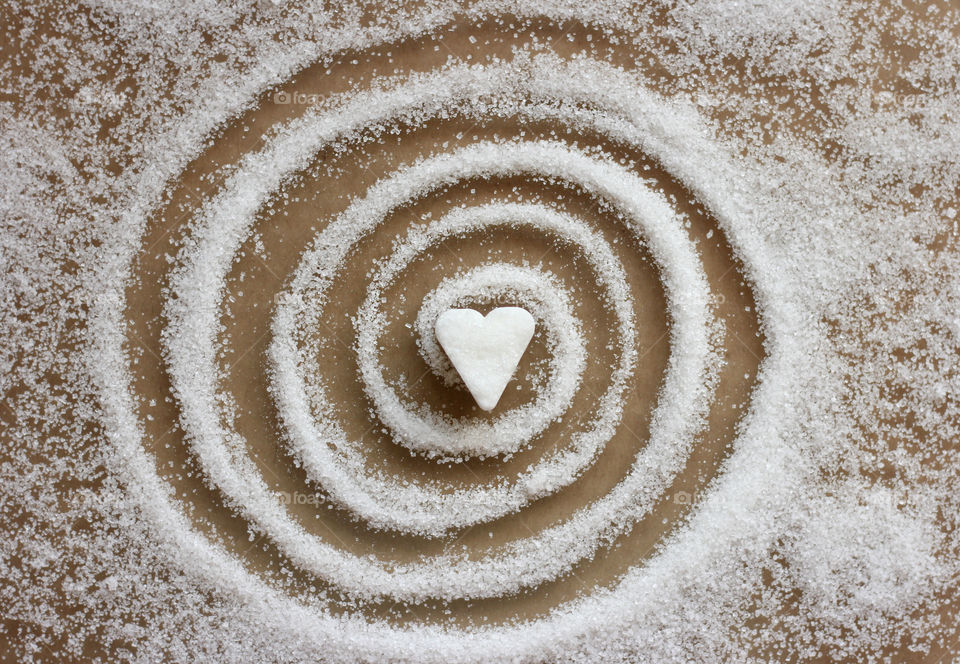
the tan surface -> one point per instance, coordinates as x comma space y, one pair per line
287, 234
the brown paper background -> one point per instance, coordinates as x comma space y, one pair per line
315, 198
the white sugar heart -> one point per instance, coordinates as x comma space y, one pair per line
485, 350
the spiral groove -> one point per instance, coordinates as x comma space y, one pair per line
384, 465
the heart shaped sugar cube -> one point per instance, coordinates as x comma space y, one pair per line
485, 350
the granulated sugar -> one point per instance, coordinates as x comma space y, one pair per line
230, 433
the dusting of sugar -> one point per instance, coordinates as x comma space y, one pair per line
830, 530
